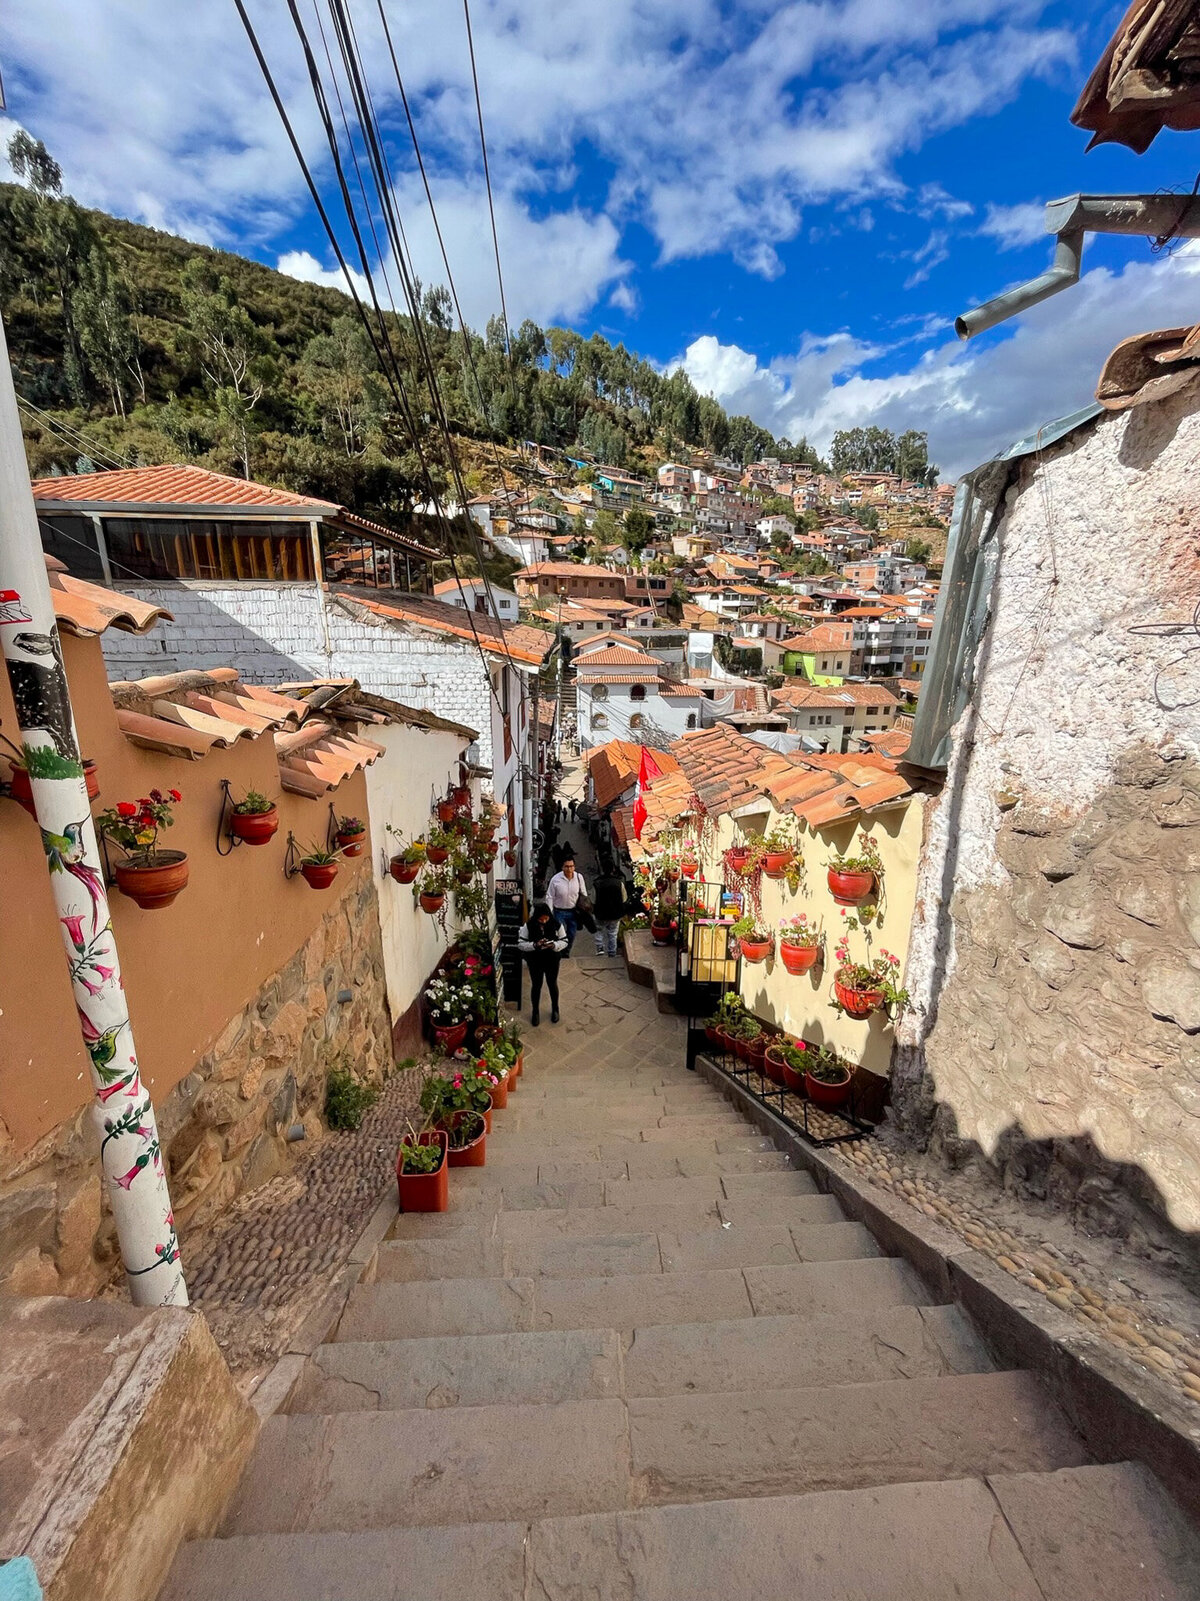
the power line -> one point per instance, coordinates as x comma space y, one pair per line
73, 436
487, 178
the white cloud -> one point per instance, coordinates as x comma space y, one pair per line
1015, 226
972, 399
305, 266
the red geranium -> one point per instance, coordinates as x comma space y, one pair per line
175, 795
126, 808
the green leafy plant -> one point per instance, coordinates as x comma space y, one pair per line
253, 804
467, 1130
347, 1101
865, 860
795, 1053
414, 851
350, 825
432, 881
134, 826
730, 1009
417, 1155
826, 1065
470, 902
319, 856
751, 928
746, 1028
442, 839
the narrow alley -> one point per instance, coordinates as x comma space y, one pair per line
642, 1359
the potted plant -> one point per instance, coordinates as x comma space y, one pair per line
510, 858
497, 1070
452, 1101
439, 846
149, 876
718, 1028
799, 944
461, 867
408, 861
738, 859
255, 819
777, 851
755, 940
750, 1041
351, 836
852, 878
423, 1171
689, 862
662, 923
460, 796
446, 810
20, 785
786, 1062
468, 1140
449, 1009
432, 891
827, 1078
863, 987
319, 866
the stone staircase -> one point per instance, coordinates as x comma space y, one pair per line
641, 1359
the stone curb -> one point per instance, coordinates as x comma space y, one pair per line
274, 1391
1121, 1410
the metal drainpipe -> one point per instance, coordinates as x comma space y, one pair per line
130, 1154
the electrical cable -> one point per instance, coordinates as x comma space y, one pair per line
487, 178
75, 437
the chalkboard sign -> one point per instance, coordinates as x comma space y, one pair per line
510, 915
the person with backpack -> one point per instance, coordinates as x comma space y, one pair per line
608, 906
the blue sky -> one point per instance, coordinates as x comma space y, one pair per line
793, 199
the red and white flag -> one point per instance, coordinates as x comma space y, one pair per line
647, 773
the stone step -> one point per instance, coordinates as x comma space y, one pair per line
546, 1367
515, 1162
419, 1309
1121, 1539
648, 1192
362, 1470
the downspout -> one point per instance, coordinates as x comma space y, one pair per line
1068, 254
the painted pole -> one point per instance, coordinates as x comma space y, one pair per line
129, 1148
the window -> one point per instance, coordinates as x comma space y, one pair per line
637, 692
636, 720
599, 691
599, 720
872, 711
185, 547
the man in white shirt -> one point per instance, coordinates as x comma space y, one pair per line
562, 896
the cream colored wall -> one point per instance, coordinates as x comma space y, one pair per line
402, 788
803, 1006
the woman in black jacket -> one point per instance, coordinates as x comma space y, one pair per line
608, 907
542, 940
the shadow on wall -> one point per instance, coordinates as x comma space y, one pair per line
205, 633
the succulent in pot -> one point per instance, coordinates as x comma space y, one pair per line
319, 866
755, 940
855, 876
351, 836
255, 818
799, 944
750, 1040
148, 875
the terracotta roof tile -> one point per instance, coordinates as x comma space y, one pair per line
168, 486
528, 645
87, 609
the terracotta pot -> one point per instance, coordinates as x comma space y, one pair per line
437, 854
755, 950
256, 828
352, 844
857, 1003
445, 812
319, 875
798, 958
712, 1033
792, 1080
451, 1037
776, 863
22, 787
500, 1093
432, 903
661, 933
482, 1032
773, 1066
755, 1051
465, 876
829, 1096
518, 1068
689, 869
672, 874
850, 889
472, 1155
155, 886
510, 858
460, 795
425, 1192
737, 859
725, 1042
403, 872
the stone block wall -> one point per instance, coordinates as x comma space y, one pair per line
225, 1127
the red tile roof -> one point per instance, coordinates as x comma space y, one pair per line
614, 768
525, 644
616, 676
87, 609
168, 486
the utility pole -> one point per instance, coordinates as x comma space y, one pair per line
130, 1155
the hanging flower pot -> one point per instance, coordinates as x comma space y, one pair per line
510, 858
431, 903
351, 836
662, 933
437, 854
319, 875
460, 796
737, 858
425, 1191
153, 884
451, 1037
445, 812
755, 950
850, 886
21, 786
255, 827
857, 1003
798, 959
464, 875
776, 863
404, 872
689, 867
831, 1090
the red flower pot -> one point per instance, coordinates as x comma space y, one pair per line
725, 1042
798, 958
661, 933
500, 1094
155, 886
319, 875
773, 1066
689, 869
432, 903
437, 854
460, 796
857, 1003
712, 1033
403, 872
352, 844
445, 811
776, 863
510, 858
791, 1079
474, 1154
829, 1096
256, 828
737, 859
518, 1066
850, 888
425, 1192
755, 950
22, 786
451, 1037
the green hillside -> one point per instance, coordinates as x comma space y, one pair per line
142, 347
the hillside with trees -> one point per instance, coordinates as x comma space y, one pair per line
132, 346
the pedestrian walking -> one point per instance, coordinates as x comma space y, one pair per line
571, 809
608, 905
562, 895
542, 941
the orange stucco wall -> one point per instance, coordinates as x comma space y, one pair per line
187, 968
